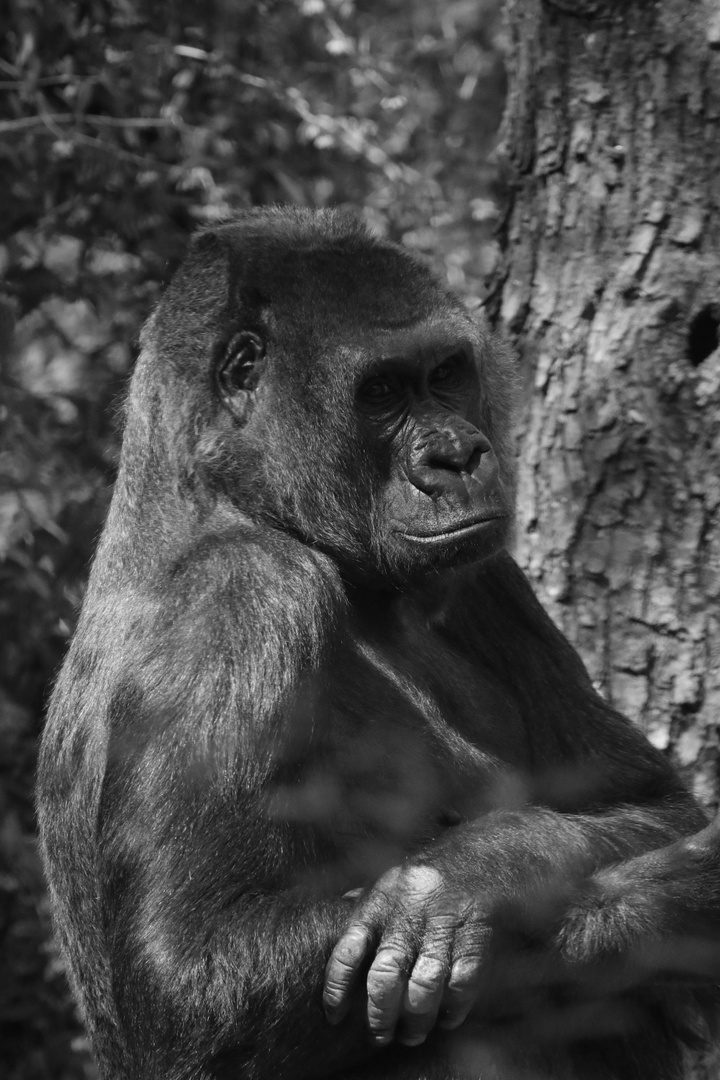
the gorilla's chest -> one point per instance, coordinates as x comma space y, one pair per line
412, 739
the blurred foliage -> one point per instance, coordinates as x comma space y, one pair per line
123, 125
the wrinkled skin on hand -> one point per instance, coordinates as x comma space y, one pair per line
429, 939
439, 953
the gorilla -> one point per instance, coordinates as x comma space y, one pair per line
323, 791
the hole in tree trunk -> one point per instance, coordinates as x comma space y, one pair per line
704, 336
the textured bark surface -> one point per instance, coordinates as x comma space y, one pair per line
611, 286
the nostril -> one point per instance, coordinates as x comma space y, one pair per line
473, 461
447, 463
458, 458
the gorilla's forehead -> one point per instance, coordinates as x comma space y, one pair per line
365, 285
412, 342
320, 344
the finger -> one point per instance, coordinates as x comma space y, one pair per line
386, 984
460, 992
424, 993
469, 956
426, 984
353, 894
342, 970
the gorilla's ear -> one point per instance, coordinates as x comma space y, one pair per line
238, 371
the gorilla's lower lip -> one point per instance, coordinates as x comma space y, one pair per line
451, 534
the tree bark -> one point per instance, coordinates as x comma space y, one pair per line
610, 284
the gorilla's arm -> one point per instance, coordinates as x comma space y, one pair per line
221, 926
673, 894
429, 927
599, 794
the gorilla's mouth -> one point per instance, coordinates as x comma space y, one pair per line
458, 533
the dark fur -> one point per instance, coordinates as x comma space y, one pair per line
265, 704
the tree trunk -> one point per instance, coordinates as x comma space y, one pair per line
611, 286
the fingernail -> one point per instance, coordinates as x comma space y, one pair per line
381, 1040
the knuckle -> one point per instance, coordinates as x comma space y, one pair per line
389, 963
386, 888
343, 960
476, 928
385, 988
350, 946
441, 927
382, 1010
463, 975
424, 985
378, 1006
333, 990
381, 998
423, 1004
427, 973
333, 999
356, 934
423, 881
392, 877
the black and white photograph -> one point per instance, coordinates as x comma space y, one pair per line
360, 540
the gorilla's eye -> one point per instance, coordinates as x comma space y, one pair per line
449, 372
378, 391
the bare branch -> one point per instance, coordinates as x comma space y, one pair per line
28, 122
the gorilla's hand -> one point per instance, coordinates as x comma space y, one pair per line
429, 938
